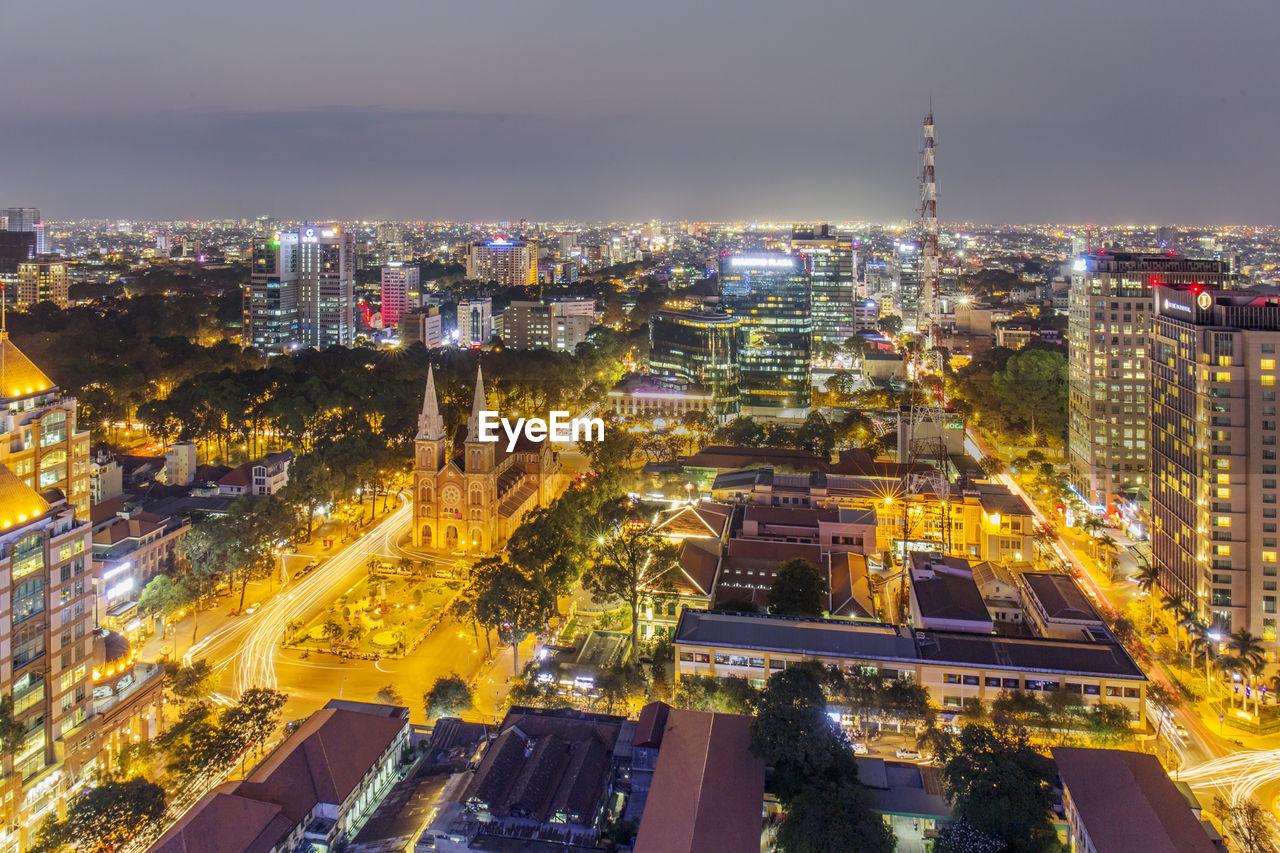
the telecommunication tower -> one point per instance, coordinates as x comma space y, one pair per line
930, 287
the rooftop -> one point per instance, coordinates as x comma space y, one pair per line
1126, 801
19, 377
19, 503
1059, 596
943, 588
881, 641
708, 788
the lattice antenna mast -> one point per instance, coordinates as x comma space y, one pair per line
930, 287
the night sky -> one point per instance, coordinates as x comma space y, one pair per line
1152, 111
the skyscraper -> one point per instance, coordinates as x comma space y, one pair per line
271, 302
770, 296
326, 286
1213, 452
27, 219
398, 280
832, 266
511, 263
700, 349
1108, 338
302, 289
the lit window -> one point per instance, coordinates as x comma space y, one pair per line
1268, 380
1268, 556
1268, 364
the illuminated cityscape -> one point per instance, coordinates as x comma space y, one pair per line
641, 429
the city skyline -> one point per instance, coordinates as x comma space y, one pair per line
1060, 115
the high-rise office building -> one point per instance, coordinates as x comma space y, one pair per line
475, 322
43, 279
770, 294
326, 286
271, 301
511, 263
1108, 336
27, 219
302, 289
832, 265
1213, 452
700, 350
906, 281
559, 324
398, 281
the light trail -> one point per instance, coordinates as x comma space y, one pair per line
255, 657
1240, 773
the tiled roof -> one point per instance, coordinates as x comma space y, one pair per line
19, 502
1126, 801
708, 787
19, 377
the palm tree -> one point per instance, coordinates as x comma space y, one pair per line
1247, 649
1176, 605
1148, 578
1204, 640
1109, 546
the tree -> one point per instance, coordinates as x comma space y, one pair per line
511, 602
890, 324
960, 836
448, 697
1031, 392
310, 486
1247, 824
1148, 578
161, 595
1109, 545
389, 695
1000, 785
799, 589
251, 721
813, 769
816, 435
830, 818
105, 817
630, 563
190, 683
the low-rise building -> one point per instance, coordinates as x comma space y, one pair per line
1118, 801
1057, 607
549, 774
706, 791
130, 547
265, 476
953, 666
943, 595
314, 791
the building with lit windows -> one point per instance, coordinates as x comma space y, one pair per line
698, 348
301, 290
475, 322
1214, 453
46, 657
470, 495
39, 439
27, 219
398, 281
556, 324
770, 294
1108, 337
43, 279
510, 263
271, 300
832, 263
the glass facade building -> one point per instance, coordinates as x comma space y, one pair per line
698, 349
832, 265
770, 295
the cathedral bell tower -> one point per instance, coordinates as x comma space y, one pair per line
480, 454
430, 448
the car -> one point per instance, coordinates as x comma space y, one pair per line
443, 573
1181, 730
908, 754
860, 748
252, 608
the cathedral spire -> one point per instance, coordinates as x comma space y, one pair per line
430, 424
478, 405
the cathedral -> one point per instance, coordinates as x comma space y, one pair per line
470, 495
